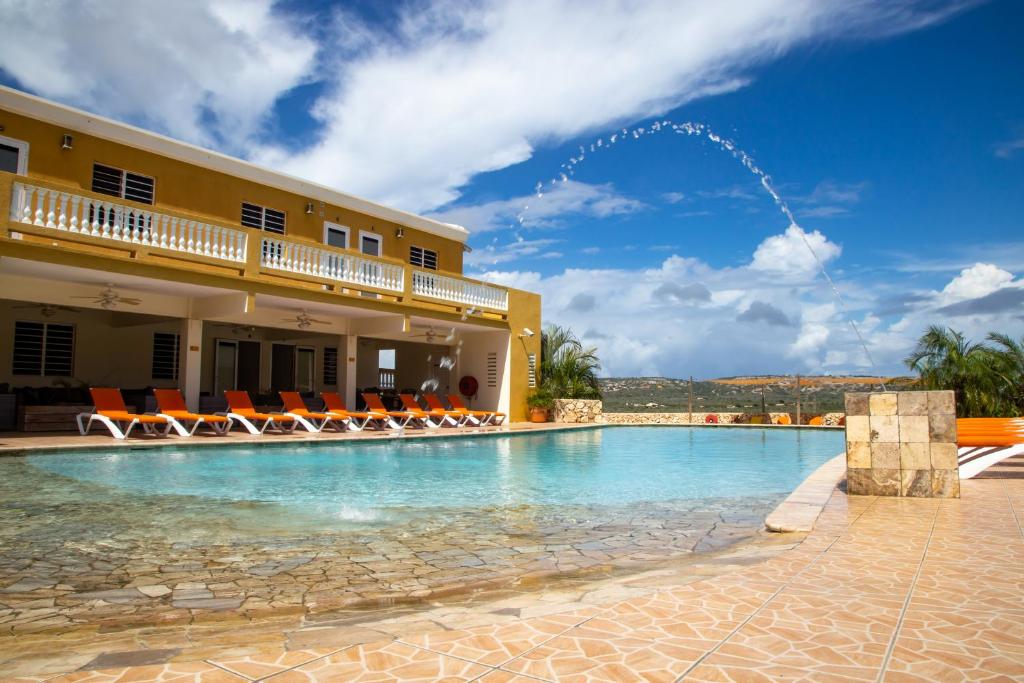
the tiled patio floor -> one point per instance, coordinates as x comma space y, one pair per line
882, 589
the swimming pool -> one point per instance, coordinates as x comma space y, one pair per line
325, 526
367, 482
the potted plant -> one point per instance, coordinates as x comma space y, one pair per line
540, 403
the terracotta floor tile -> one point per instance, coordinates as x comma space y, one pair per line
391, 661
269, 662
934, 661
494, 645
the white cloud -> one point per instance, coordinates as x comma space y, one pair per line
457, 90
976, 281
529, 211
1008, 148
493, 254
208, 73
789, 253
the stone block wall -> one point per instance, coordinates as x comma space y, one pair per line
577, 410
902, 444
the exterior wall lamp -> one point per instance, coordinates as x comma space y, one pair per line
399, 233
309, 208
65, 141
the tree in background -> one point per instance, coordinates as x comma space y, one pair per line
568, 370
987, 378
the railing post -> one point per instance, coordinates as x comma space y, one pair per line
6, 202
253, 250
407, 277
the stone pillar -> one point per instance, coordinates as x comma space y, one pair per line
349, 344
902, 444
190, 357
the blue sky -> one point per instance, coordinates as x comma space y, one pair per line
895, 132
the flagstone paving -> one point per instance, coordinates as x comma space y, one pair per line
889, 589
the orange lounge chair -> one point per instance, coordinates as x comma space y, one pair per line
111, 412
311, 421
170, 403
477, 417
242, 411
336, 404
397, 419
457, 417
430, 414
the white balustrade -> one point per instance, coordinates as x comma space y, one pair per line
279, 254
436, 286
77, 214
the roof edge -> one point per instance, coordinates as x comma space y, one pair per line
53, 112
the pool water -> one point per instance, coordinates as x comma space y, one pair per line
371, 482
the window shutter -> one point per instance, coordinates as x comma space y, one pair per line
166, 355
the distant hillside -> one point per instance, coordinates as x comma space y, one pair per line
662, 394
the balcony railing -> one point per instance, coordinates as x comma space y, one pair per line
45, 208
436, 286
77, 214
358, 271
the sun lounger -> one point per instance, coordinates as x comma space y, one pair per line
112, 412
242, 411
976, 459
458, 417
397, 419
441, 415
170, 403
335, 404
477, 417
310, 420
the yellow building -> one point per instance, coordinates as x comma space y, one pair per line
132, 260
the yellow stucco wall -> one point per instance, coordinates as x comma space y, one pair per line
524, 311
217, 197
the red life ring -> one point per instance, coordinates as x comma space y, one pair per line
711, 419
468, 386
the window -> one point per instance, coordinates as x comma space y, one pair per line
166, 350
256, 216
492, 368
336, 235
424, 258
531, 360
43, 349
13, 155
120, 183
386, 368
330, 366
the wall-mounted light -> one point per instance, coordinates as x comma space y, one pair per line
527, 332
309, 208
400, 233
65, 141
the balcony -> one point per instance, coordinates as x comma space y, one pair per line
52, 211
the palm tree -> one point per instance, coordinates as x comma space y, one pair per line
945, 359
1008, 357
568, 370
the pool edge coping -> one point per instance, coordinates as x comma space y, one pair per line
801, 508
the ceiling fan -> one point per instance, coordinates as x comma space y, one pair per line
49, 310
109, 298
430, 335
304, 320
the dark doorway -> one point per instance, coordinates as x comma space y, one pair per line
282, 368
249, 367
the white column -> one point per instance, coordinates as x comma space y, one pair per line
349, 345
190, 361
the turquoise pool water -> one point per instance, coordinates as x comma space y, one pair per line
370, 481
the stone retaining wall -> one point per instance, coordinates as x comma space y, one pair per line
831, 419
578, 410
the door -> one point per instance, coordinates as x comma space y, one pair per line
249, 367
305, 360
225, 366
13, 155
282, 368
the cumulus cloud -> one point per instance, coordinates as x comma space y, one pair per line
671, 292
790, 253
205, 72
976, 281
